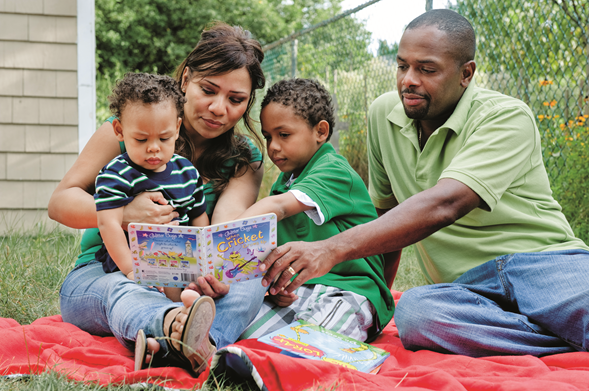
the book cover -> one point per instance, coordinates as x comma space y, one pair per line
306, 340
173, 256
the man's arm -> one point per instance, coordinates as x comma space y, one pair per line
411, 221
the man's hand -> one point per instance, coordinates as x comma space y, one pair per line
308, 259
208, 285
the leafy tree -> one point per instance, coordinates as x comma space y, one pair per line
576, 12
154, 36
386, 50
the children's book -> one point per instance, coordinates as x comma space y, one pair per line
173, 256
306, 340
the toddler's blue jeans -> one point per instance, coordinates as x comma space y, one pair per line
527, 303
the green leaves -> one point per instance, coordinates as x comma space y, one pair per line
155, 36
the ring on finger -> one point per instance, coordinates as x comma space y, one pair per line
291, 270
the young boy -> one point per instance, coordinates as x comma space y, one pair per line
353, 298
148, 110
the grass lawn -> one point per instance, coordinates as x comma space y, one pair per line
32, 268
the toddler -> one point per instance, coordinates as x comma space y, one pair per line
148, 113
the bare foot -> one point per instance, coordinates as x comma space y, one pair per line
188, 298
178, 316
152, 348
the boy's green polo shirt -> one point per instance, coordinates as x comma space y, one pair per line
330, 181
491, 144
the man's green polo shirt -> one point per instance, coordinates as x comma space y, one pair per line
329, 180
492, 145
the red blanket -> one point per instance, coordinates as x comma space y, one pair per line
50, 344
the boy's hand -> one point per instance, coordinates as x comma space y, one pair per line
209, 286
131, 275
283, 298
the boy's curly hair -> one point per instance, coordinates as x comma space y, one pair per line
145, 88
308, 98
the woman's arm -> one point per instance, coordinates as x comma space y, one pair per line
241, 193
72, 202
200, 221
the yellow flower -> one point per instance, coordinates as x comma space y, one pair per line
545, 103
545, 82
562, 126
540, 117
552, 103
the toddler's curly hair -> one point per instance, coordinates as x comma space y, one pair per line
308, 99
147, 89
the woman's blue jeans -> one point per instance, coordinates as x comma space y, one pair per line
528, 303
110, 304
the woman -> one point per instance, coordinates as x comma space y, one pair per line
219, 79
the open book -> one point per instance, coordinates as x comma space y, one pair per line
173, 256
306, 340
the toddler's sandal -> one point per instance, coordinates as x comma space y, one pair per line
140, 350
196, 345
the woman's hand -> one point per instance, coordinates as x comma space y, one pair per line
149, 208
208, 285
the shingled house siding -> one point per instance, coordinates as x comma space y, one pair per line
38, 106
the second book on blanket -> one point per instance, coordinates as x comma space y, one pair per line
306, 340
173, 256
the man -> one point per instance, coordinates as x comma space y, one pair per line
458, 170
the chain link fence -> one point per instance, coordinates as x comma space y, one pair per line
536, 51
337, 53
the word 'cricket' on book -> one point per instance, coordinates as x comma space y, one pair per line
307, 340
173, 256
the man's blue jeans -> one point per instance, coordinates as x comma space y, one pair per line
528, 303
110, 304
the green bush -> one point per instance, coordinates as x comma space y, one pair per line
570, 140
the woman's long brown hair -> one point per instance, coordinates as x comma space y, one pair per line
222, 49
